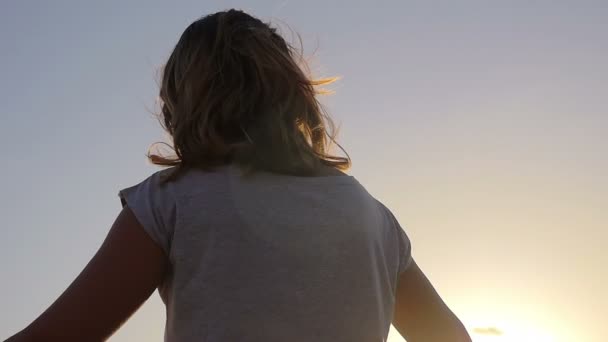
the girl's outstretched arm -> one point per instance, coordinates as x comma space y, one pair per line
124, 272
420, 314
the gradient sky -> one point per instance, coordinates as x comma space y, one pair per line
482, 124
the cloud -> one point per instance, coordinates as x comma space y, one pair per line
491, 331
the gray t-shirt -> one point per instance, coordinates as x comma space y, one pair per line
272, 257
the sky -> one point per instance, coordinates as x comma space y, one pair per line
483, 125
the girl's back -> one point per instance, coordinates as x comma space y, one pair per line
272, 257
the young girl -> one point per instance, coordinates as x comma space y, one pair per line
253, 233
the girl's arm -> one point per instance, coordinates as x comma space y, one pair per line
420, 314
124, 272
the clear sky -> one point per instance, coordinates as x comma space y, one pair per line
482, 124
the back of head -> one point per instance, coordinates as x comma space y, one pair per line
233, 91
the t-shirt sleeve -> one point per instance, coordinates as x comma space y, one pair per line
153, 204
405, 246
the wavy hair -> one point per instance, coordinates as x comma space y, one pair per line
233, 90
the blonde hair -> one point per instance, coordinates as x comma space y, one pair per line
232, 91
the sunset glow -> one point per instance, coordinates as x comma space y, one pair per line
482, 125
